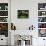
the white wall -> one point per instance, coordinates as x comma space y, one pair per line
23, 24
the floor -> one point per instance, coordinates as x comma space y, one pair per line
3, 45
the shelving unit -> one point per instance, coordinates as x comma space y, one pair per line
4, 19
42, 19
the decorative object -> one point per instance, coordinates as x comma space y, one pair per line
4, 29
31, 27
3, 19
23, 14
4, 26
41, 13
27, 39
23, 40
41, 19
41, 6
3, 6
22, 43
6, 7
3, 13
13, 27
42, 25
42, 32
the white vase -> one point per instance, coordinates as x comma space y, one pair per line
22, 43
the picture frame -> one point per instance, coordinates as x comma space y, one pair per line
23, 14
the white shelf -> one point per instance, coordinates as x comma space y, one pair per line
41, 28
42, 16
3, 10
41, 10
3, 16
41, 22
3, 22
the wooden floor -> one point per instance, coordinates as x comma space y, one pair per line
3, 45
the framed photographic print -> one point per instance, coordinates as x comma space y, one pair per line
23, 14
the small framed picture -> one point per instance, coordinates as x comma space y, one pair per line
22, 14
